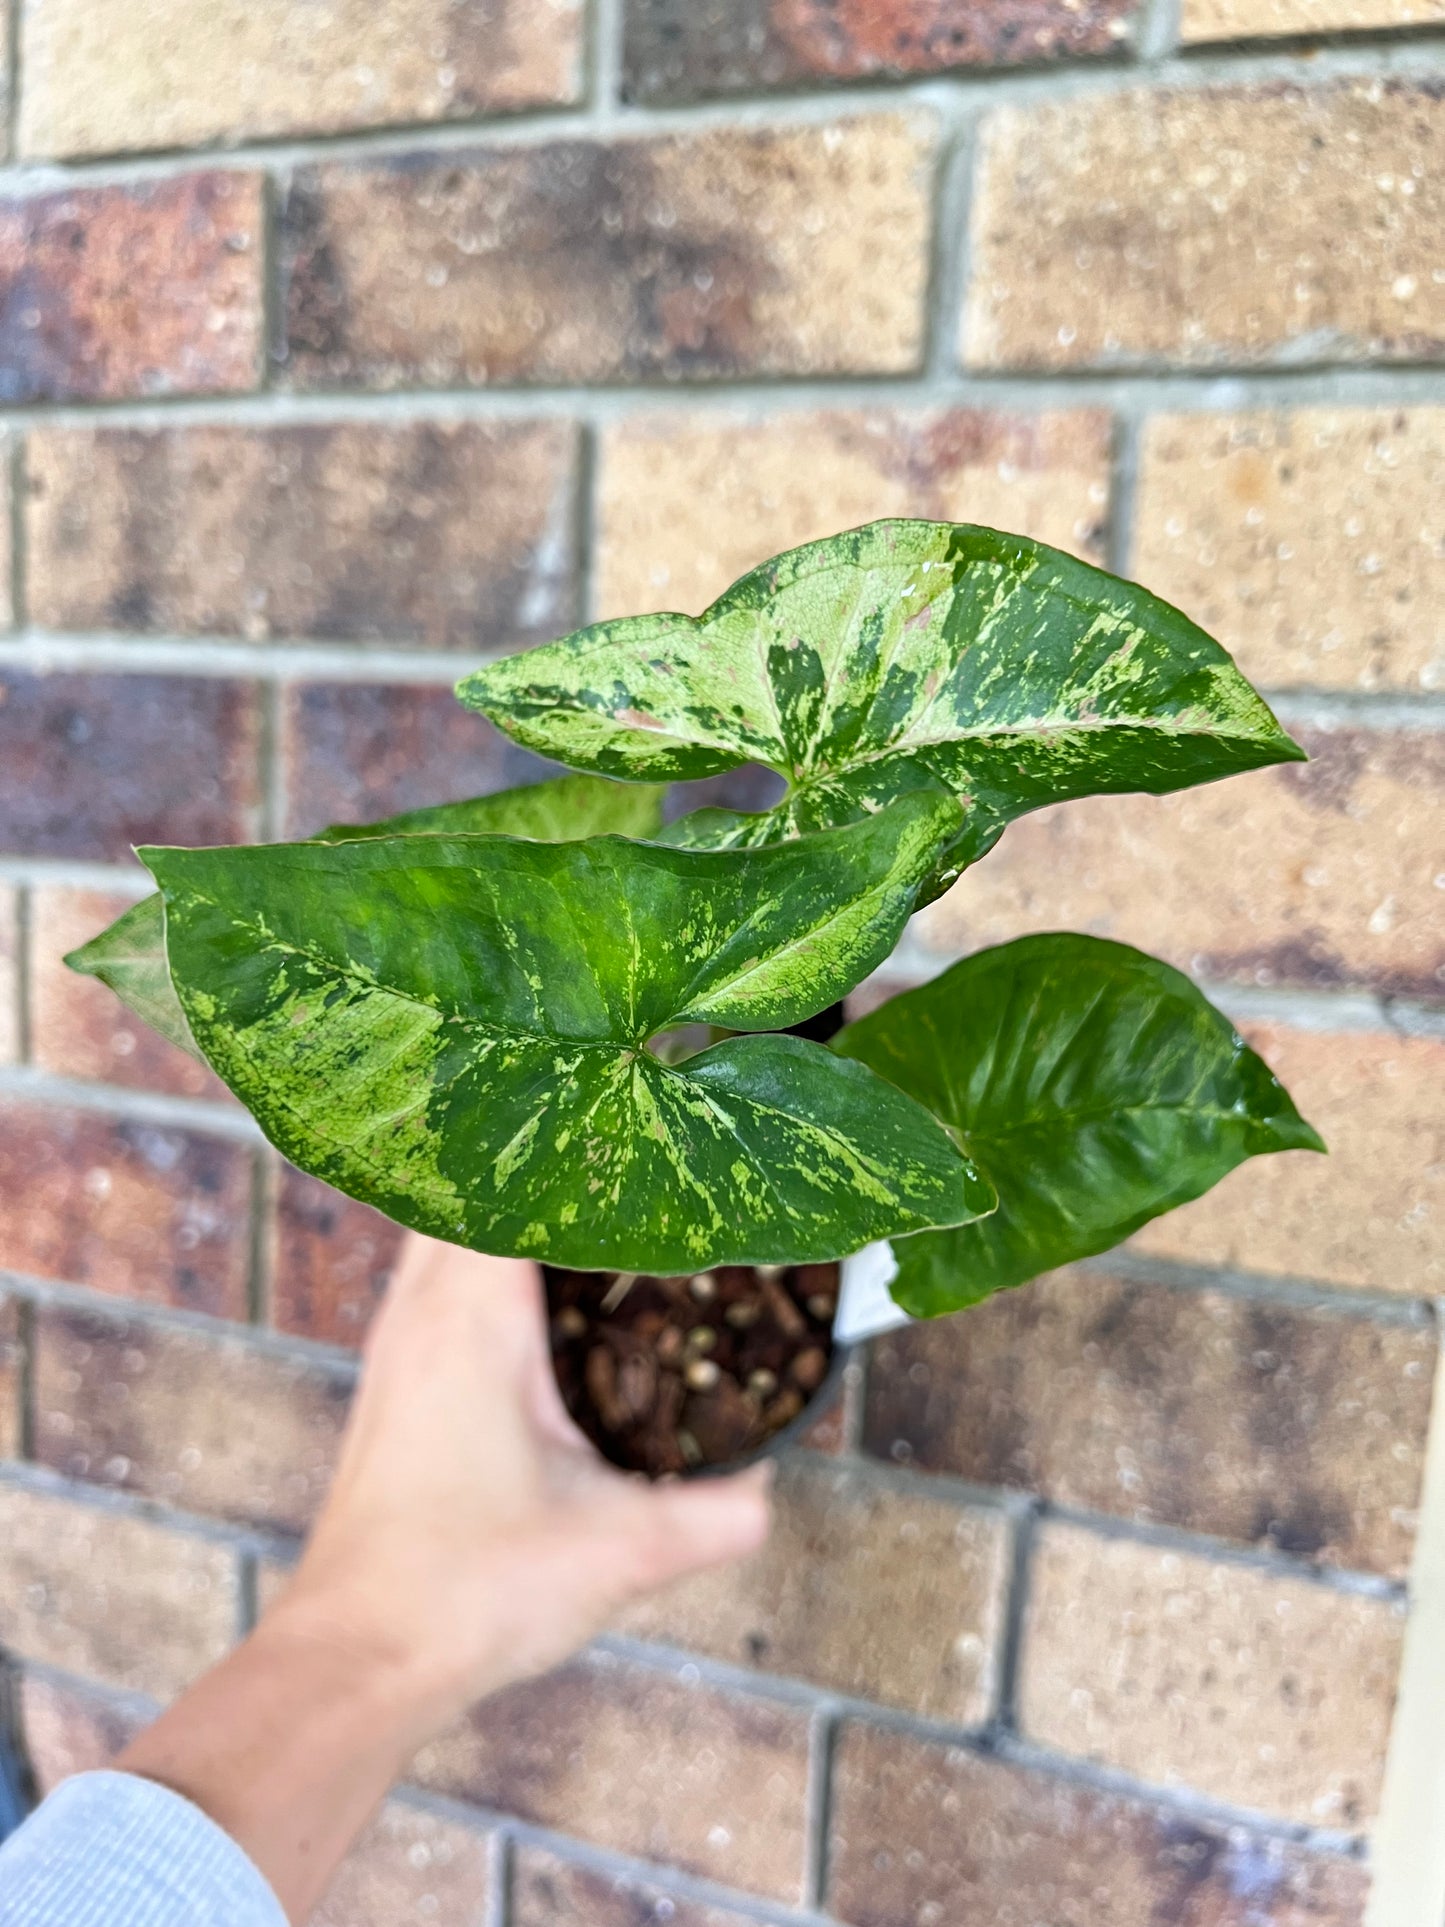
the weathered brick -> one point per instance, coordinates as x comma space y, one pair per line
1264, 1690
1209, 228
1260, 1422
152, 288
354, 752
1309, 542
90, 765
78, 1028
125, 1601
643, 1763
444, 534
127, 1207
70, 1728
1321, 874
547, 1891
1369, 1215
890, 1596
411, 1866
9, 974
166, 75
12, 1388
212, 1425
798, 251
687, 503
1274, 19
7, 559
333, 1258
923, 1833
689, 49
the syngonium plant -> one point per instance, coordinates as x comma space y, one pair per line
469, 1015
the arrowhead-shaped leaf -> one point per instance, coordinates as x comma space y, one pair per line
130, 956
1094, 1086
455, 1029
1010, 672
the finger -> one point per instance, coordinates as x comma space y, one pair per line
707, 1522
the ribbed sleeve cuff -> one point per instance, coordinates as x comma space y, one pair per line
113, 1850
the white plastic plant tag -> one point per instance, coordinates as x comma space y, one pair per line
864, 1306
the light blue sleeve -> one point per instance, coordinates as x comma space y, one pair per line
113, 1850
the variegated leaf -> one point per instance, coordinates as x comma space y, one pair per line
1093, 1085
1010, 672
455, 1029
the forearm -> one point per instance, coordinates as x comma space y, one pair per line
289, 1745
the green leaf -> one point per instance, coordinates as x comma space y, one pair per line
1008, 671
454, 1029
561, 810
1094, 1086
130, 956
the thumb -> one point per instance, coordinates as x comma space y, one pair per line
689, 1527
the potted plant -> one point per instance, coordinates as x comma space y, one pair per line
545, 1022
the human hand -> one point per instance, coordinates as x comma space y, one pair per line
472, 1536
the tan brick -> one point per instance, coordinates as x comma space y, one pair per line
887, 1595
444, 534
1273, 19
125, 1601
1312, 543
1370, 1214
798, 251
1321, 874
923, 1833
1211, 228
126, 1207
688, 49
333, 1258
1264, 1690
687, 503
411, 1866
547, 1891
12, 1382
644, 1763
9, 974
167, 75
152, 288
1260, 1422
212, 1425
69, 1728
79, 1028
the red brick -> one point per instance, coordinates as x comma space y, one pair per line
643, 1763
120, 1599
1369, 1214
547, 1891
168, 74
411, 1866
66, 1727
688, 49
796, 250
152, 288
12, 1379
355, 751
1210, 227
1260, 1422
333, 1258
923, 1834
90, 765
211, 1425
79, 1028
887, 1595
126, 1207
1321, 874
441, 534
1250, 1686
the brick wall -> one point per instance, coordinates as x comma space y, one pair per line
341, 344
